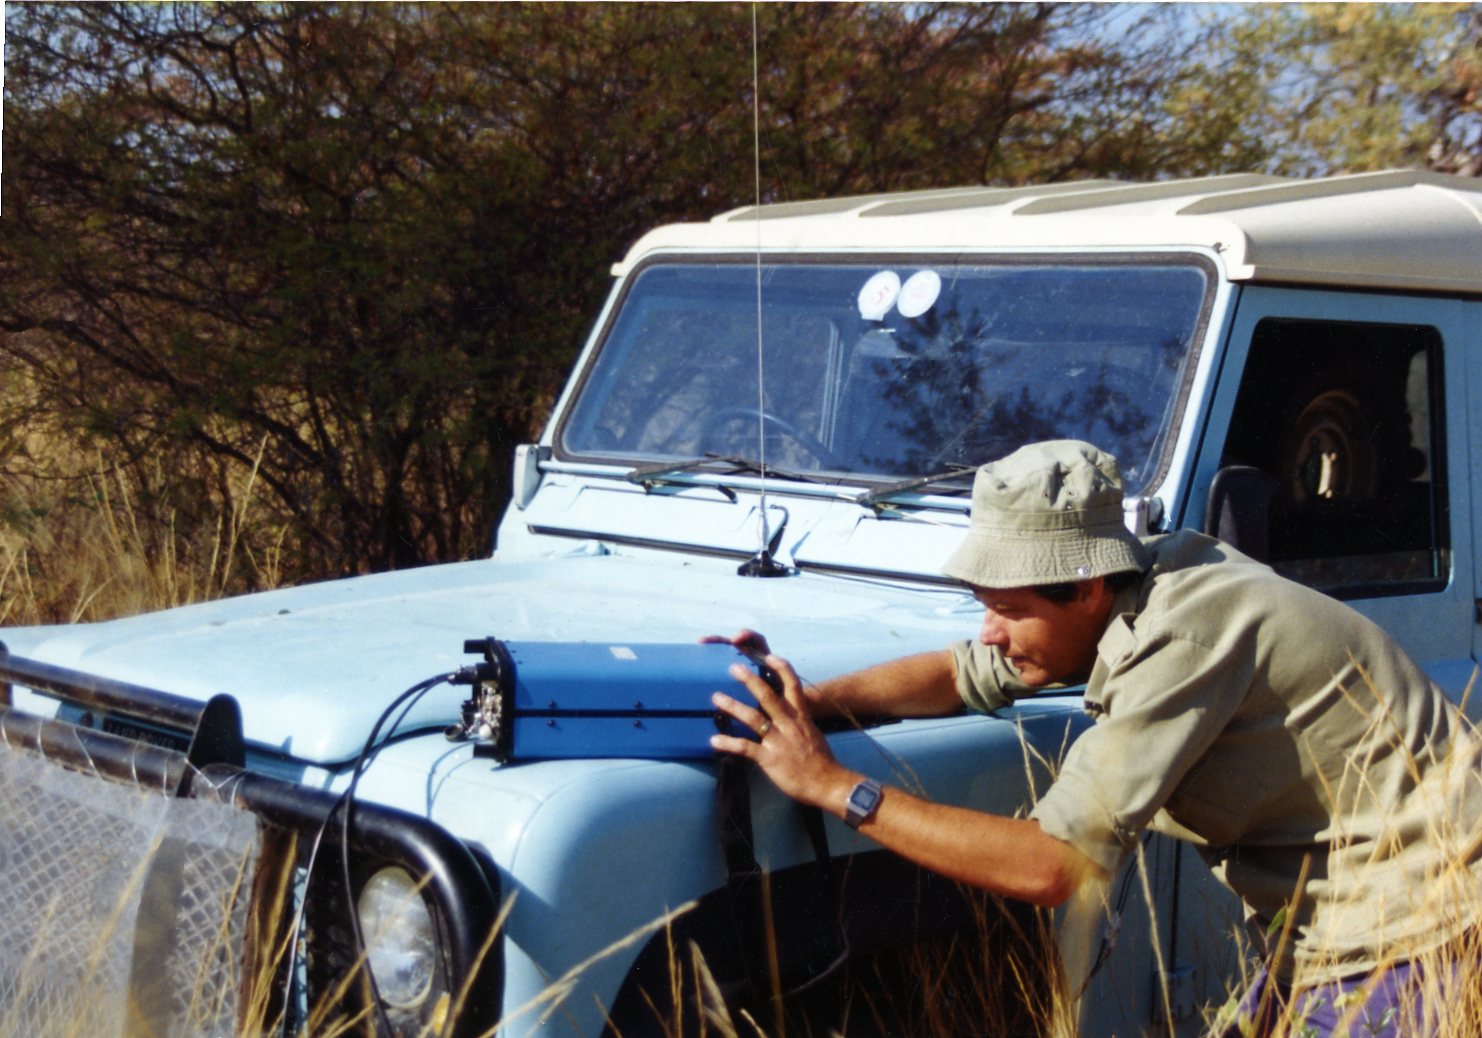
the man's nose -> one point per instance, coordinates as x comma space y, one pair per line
992, 631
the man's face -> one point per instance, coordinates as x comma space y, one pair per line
1047, 642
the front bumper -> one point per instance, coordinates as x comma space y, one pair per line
298, 951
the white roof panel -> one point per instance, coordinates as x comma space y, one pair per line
1404, 229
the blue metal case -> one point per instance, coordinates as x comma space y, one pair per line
588, 699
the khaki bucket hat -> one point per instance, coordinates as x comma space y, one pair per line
1049, 513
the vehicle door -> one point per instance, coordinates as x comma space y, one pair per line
1472, 328
1337, 449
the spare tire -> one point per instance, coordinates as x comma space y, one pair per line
1331, 454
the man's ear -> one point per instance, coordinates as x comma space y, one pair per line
1094, 593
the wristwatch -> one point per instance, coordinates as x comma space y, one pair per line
863, 799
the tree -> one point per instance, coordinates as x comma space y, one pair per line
239, 236
1356, 87
352, 249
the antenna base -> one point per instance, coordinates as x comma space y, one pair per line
762, 565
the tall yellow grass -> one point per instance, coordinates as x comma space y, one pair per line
84, 547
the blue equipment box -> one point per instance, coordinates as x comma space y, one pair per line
545, 700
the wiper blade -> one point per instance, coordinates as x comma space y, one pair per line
660, 471
871, 498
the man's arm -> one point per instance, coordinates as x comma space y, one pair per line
923, 685
1008, 856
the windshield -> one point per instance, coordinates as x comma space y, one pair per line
885, 371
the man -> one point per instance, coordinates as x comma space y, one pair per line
1313, 764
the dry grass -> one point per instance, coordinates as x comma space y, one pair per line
1000, 977
86, 547
102, 543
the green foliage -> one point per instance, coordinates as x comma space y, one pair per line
1356, 87
352, 250
226, 228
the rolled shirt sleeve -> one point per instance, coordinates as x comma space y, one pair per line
986, 681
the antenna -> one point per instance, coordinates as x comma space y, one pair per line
762, 564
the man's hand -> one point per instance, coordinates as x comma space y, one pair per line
1009, 856
747, 640
792, 751
924, 685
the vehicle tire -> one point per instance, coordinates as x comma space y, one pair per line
1331, 452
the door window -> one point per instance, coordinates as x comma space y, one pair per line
1342, 421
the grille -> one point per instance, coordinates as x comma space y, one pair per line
122, 910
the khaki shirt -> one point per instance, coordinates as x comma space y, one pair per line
1288, 738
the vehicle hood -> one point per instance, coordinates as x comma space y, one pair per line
313, 667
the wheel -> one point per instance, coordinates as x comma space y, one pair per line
1330, 453
712, 423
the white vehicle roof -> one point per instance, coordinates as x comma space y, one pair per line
1404, 229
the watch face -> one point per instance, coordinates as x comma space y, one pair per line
863, 799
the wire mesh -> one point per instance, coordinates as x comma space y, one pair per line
123, 911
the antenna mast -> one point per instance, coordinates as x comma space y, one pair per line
761, 564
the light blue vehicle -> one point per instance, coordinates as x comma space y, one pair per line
802, 390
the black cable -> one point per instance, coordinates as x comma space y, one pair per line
362, 761
344, 804
298, 921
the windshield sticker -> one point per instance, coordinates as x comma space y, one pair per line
879, 295
919, 293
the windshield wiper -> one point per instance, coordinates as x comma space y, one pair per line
661, 471
871, 498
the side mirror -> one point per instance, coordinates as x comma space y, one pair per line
526, 479
1239, 509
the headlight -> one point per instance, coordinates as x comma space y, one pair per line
400, 944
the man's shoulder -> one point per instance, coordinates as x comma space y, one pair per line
1188, 550
1196, 583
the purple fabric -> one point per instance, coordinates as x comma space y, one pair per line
1390, 1004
